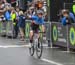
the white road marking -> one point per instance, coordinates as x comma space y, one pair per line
13, 46
50, 61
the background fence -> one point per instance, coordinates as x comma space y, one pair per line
56, 33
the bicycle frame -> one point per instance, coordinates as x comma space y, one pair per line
36, 45
35, 38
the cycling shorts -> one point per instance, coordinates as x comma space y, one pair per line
34, 27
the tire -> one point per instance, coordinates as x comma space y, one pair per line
31, 49
39, 49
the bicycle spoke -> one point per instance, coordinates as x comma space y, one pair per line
39, 49
31, 49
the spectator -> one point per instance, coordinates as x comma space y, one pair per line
66, 19
13, 17
21, 24
16, 29
13, 14
72, 16
7, 14
5, 4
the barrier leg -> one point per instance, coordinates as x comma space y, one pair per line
50, 40
51, 44
68, 49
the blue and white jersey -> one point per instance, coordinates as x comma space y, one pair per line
38, 20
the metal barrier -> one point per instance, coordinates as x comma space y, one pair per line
59, 35
0, 27
3, 28
9, 29
56, 33
27, 29
71, 36
48, 32
6, 28
63, 35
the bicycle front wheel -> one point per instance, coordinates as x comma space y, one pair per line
31, 49
39, 49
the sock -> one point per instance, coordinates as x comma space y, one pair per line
31, 41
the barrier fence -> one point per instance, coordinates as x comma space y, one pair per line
56, 33
59, 34
9, 29
27, 29
63, 35
71, 36
3, 28
6, 28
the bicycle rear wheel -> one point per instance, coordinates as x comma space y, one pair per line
39, 49
31, 49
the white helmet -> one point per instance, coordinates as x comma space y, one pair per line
39, 12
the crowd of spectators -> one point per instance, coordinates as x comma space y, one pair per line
18, 16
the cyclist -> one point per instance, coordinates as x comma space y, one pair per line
37, 20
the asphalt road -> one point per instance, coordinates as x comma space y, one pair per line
15, 52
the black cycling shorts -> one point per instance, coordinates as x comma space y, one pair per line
35, 27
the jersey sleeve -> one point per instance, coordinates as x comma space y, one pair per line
43, 22
34, 17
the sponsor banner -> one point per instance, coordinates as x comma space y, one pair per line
3, 28
71, 35
27, 29
59, 34
9, 28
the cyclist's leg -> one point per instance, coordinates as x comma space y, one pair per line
31, 36
43, 28
38, 30
32, 29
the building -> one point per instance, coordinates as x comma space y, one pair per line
56, 6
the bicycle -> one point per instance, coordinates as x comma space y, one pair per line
36, 45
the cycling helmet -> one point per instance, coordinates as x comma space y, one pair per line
39, 12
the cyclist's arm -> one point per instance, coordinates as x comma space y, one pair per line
43, 28
43, 25
32, 17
